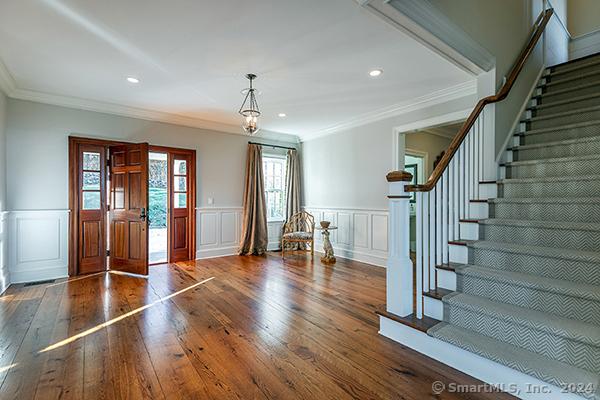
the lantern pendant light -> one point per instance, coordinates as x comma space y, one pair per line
249, 109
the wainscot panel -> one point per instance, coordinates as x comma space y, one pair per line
362, 234
37, 245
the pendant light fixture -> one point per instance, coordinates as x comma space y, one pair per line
249, 109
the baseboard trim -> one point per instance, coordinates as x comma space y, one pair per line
518, 383
39, 274
359, 256
218, 252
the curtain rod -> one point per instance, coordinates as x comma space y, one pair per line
273, 145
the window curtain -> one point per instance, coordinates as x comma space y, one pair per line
254, 238
292, 205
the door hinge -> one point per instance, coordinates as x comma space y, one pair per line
107, 253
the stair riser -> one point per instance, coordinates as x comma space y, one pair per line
555, 303
547, 212
592, 67
564, 239
575, 63
569, 351
569, 168
563, 134
551, 97
583, 116
550, 189
557, 151
586, 272
561, 83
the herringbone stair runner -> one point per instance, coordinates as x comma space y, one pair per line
530, 296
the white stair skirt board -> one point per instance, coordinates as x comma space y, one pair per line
469, 231
459, 254
488, 190
518, 384
433, 308
478, 210
446, 279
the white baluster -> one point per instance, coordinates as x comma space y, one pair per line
426, 241
432, 237
444, 207
456, 193
438, 224
419, 244
451, 199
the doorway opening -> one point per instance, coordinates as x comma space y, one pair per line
158, 243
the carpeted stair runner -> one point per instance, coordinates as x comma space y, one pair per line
530, 296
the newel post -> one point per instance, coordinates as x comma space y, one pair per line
399, 282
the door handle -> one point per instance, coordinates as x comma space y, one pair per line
143, 214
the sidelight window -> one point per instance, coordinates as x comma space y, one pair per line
90, 182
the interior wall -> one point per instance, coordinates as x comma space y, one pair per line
503, 28
433, 145
4, 275
37, 182
583, 16
344, 180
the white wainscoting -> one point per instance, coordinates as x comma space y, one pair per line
362, 234
4, 274
37, 245
584, 45
218, 231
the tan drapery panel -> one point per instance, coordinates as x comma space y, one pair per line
292, 184
254, 238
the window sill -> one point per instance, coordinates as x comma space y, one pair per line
275, 220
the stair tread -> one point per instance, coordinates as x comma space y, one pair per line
566, 225
541, 251
589, 59
551, 179
565, 327
560, 286
528, 362
560, 127
451, 266
438, 293
562, 102
546, 200
573, 68
563, 142
552, 160
570, 79
562, 114
569, 89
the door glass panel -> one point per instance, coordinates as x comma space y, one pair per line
91, 181
180, 200
180, 167
91, 161
180, 184
91, 200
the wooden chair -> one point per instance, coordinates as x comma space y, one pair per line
299, 229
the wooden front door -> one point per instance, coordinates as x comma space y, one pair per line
91, 208
182, 207
128, 216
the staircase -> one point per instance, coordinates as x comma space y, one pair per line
526, 293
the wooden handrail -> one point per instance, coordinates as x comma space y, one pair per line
540, 25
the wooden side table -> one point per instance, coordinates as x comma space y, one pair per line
329, 257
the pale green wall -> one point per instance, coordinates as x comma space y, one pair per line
583, 16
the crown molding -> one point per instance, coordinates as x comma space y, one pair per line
9, 87
438, 97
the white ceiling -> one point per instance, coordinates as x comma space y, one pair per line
312, 59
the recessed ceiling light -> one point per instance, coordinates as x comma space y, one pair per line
132, 79
376, 72
282, 115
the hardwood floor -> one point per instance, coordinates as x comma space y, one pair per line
224, 328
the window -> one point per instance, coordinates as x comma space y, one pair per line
180, 184
90, 185
274, 169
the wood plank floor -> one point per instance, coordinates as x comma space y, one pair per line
224, 328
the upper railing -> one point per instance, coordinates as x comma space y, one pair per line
538, 30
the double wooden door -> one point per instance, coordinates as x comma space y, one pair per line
109, 204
